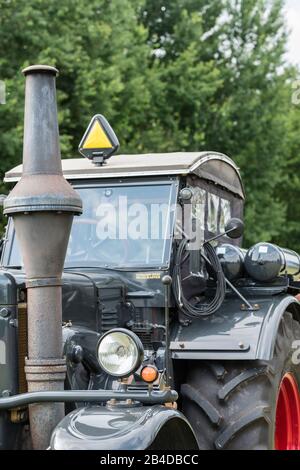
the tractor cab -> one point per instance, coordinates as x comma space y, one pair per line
133, 207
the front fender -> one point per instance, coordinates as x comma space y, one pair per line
233, 333
119, 428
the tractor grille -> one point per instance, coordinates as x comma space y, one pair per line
145, 332
110, 300
22, 345
146, 338
109, 320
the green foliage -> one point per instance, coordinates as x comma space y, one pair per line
169, 75
252, 128
289, 186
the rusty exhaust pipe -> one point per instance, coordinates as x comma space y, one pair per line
42, 205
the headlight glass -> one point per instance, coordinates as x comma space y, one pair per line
120, 353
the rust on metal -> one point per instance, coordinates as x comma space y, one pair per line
22, 345
43, 205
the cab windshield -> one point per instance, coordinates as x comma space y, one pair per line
126, 225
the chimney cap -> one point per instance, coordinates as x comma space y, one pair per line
40, 69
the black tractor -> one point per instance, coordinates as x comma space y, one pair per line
144, 324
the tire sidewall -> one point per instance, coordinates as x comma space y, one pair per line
283, 362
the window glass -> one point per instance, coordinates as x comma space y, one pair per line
198, 206
225, 214
121, 226
212, 213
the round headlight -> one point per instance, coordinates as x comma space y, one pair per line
120, 352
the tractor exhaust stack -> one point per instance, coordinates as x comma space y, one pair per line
42, 205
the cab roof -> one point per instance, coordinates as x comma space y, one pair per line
211, 166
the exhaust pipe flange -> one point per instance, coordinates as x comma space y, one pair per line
38, 370
44, 375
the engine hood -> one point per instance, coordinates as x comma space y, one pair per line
88, 292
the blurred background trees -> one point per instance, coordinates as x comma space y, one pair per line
170, 75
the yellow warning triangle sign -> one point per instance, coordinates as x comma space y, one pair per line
96, 138
99, 141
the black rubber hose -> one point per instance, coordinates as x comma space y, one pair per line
201, 308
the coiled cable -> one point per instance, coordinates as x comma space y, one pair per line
198, 309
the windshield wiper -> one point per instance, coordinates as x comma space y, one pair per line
109, 268
115, 268
12, 267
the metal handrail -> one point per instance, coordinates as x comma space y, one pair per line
100, 396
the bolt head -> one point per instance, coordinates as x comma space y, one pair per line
4, 312
166, 280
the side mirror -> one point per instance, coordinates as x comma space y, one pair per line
234, 228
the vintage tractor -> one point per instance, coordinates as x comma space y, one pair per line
149, 327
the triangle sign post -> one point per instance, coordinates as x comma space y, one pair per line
99, 141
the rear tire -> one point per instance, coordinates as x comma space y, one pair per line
235, 405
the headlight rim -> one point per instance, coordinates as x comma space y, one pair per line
138, 344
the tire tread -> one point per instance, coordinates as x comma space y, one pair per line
232, 404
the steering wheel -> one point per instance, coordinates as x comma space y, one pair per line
91, 247
107, 253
